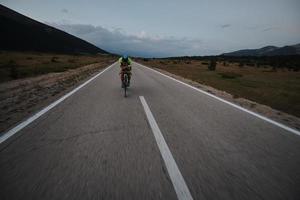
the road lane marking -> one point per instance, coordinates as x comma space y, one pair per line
229, 103
179, 184
11, 132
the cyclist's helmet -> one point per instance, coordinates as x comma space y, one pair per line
125, 58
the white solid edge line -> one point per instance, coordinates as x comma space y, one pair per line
178, 182
229, 103
11, 132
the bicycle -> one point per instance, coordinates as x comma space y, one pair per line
125, 83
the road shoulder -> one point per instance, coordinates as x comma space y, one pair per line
276, 115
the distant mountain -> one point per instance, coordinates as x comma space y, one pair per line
21, 33
267, 51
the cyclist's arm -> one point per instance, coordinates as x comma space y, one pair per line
120, 60
129, 61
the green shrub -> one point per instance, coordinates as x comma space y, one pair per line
212, 65
54, 59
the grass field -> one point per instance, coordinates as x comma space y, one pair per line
278, 89
15, 65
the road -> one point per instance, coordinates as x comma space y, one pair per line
96, 144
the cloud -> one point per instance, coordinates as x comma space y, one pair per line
270, 29
225, 25
64, 10
140, 44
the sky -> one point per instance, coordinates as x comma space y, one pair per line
160, 28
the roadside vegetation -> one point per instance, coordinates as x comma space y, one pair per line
16, 65
273, 81
29, 81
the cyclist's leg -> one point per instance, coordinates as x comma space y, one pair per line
121, 75
129, 77
122, 78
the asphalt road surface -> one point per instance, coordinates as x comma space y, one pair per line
164, 141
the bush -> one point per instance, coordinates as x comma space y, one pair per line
13, 69
54, 59
212, 65
71, 60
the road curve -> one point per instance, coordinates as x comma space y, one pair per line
96, 144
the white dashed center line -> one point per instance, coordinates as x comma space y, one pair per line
178, 182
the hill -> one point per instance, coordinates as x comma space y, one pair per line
268, 51
21, 33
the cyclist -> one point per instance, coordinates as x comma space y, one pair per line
125, 65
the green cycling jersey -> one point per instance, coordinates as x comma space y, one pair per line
128, 62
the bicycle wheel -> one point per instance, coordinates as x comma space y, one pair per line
125, 84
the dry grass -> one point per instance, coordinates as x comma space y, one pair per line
279, 89
15, 65
22, 97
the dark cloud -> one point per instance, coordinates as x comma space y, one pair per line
64, 10
225, 25
141, 44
